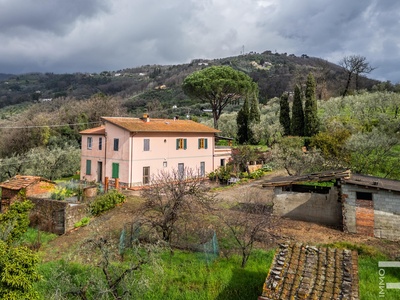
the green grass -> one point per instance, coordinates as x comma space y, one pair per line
181, 275
371, 285
32, 236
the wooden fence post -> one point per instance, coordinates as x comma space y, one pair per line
106, 184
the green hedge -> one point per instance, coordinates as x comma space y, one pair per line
105, 202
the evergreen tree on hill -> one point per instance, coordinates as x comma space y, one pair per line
284, 113
297, 125
311, 122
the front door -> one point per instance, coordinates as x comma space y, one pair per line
99, 171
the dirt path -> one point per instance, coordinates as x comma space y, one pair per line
112, 222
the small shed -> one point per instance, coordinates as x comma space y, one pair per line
319, 204
28, 186
371, 206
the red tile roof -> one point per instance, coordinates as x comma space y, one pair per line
159, 125
306, 272
22, 181
95, 131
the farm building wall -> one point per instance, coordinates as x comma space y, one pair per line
384, 219
55, 216
310, 207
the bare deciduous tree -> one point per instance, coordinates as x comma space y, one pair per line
246, 221
171, 197
354, 65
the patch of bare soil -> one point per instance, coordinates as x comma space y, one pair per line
112, 222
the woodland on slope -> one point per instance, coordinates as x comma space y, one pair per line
42, 114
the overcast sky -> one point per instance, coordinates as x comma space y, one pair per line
66, 36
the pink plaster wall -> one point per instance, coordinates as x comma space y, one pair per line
162, 149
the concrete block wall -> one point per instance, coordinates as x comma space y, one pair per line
386, 211
310, 207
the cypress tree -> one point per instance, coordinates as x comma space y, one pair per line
297, 113
255, 114
284, 113
242, 120
311, 122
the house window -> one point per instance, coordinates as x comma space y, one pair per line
146, 145
89, 143
115, 170
165, 164
100, 143
181, 144
202, 169
181, 171
88, 167
146, 175
222, 162
116, 144
203, 143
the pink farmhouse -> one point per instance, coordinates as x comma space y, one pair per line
135, 149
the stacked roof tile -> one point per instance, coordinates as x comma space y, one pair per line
307, 272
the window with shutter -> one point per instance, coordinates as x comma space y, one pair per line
181, 144
88, 167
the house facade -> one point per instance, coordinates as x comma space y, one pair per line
135, 149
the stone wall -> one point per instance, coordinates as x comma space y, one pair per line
386, 211
310, 207
55, 216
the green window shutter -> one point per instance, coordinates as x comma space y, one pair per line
205, 143
199, 143
115, 170
177, 144
88, 167
184, 144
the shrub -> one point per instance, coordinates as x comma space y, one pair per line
61, 193
83, 222
105, 202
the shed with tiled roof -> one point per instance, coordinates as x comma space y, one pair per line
23, 185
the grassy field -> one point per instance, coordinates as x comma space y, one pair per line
188, 275
181, 275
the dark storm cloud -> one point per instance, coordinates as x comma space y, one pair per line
96, 35
22, 17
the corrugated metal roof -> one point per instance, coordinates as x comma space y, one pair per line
159, 125
373, 182
22, 181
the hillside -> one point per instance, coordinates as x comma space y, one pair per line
274, 73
